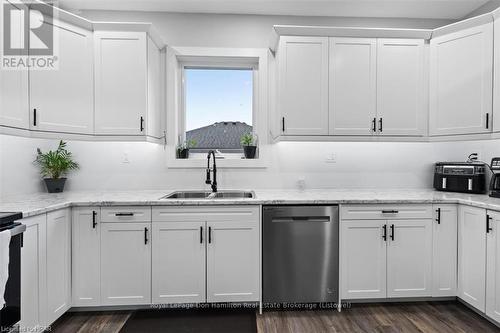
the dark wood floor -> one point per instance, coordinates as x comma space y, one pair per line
441, 317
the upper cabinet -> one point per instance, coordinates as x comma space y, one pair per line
62, 100
461, 79
121, 91
401, 107
353, 86
303, 85
14, 94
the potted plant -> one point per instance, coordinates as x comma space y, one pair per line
182, 150
248, 141
54, 165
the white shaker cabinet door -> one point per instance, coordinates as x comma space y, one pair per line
233, 261
409, 258
62, 99
493, 267
125, 263
303, 85
33, 273
461, 82
178, 262
86, 254
401, 107
121, 83
363, 259
352, 85
444, 258
472, 256
58, 264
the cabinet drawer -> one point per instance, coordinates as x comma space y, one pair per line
385, 212
126, 214
206, 213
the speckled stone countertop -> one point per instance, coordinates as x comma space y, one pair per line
34, 204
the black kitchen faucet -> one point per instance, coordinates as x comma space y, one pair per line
214, 182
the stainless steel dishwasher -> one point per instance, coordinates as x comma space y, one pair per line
301, 254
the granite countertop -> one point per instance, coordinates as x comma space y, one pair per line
34, 204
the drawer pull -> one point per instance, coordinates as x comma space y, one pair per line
124, 214
390, 211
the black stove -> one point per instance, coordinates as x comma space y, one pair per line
10, 314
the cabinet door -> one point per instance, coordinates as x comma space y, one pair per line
493, 267
178, 262
362, 259
444, 258
303, 80
120, 82
352, 85
86, 256
33, 274
409, 258
472, 256
461, 82
401, 108
154, 126
125, 263
14, 91
58, 264
63, 98
233, 261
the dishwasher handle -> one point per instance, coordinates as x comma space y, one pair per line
291, 219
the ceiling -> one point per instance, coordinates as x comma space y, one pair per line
436, 9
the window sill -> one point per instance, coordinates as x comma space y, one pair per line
195, 163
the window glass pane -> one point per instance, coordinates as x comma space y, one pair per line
218, 107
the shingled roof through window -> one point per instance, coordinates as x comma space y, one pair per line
220, 135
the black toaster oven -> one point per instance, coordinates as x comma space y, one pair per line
466, 177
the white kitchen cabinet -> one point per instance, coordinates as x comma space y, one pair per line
444, 257
233, 261
461, 81
155, 94
409, 258
303, 85
125, 263
14, 106
496, 76
352, 88
86, 256
62, 99
472, 256
58, 264
178, 262
493, 267
401, 106
33, 274
121, 82
363, 259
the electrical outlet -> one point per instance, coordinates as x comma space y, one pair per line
331, 158
125, 159
301, 184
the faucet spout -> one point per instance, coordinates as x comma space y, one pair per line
214, 171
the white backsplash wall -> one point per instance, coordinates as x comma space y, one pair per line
104, 165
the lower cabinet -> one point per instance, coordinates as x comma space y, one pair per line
409, 258
472, 256
86, 256
33, 274
444, 256
386, 258
58, 264
126, 263
208, 254
493, 266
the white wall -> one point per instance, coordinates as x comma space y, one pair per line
359, 165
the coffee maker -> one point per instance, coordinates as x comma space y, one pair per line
495, 178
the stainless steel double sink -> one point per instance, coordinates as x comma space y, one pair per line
209, 195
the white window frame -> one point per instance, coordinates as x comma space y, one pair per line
179, 58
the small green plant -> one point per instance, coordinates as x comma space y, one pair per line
247, 139
188, 144
55, 164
